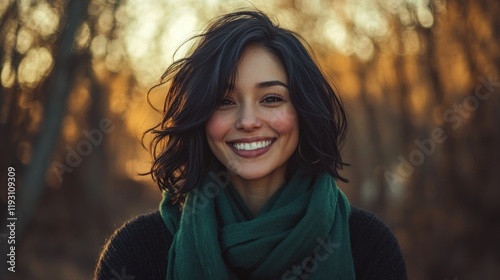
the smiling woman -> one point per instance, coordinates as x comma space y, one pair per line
247, 155
255, 127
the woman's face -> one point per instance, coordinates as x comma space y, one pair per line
255, 130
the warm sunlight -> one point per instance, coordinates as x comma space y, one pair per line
82, 101
35, 65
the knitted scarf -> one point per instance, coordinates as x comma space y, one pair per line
301, 233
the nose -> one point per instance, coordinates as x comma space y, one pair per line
248, 118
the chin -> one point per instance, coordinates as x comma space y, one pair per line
252, 175
253, 171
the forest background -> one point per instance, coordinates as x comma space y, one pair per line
419, 79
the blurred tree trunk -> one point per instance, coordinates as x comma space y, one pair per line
61, 82
376, 157
9, 97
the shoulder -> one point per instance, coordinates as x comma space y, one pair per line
139, 248
374, 247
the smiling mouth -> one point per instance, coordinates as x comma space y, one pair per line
252, 146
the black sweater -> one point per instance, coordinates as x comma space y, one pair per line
139, 249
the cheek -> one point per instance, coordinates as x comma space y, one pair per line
215, 128
286, 122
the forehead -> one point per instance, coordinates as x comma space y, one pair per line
258, 64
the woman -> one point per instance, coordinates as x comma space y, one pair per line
248, 155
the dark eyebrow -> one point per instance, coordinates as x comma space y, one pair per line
270, 84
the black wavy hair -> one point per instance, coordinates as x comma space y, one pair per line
200, 80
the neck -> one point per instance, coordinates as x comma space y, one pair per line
257, 192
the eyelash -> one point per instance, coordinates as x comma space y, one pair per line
276, 98
221, 103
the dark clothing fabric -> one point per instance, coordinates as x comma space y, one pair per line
139, 249
302, 230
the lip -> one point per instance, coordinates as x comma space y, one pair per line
254, 153
251, 139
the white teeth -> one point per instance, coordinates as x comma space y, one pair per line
252, 146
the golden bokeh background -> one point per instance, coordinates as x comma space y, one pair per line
419, 79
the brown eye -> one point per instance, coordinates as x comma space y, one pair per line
225, 102
272, 99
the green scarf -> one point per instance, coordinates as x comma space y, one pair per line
302, 230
